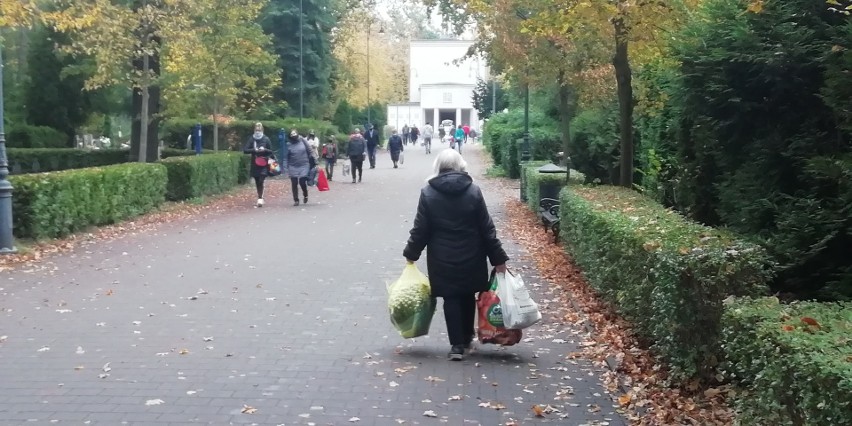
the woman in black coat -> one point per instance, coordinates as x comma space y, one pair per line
260, 148
454, 226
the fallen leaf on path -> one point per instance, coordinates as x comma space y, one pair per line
247, 409
184, 351
354, 419
434, 379
154, 402
430, 413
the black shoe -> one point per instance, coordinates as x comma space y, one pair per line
306, 200
469, 343
296, 203
456, 353
395, 166
353, 180
359, 180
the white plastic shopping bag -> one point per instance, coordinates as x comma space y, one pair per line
519, 309
401, 158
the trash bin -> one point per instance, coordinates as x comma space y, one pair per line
550, 187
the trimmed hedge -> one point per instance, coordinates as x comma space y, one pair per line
666, 275
39, 160
198, 175
26, 136
49, 205
793, 362
235, 134
532, 179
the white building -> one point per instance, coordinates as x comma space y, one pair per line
439, 89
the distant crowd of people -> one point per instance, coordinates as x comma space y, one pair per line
301, 154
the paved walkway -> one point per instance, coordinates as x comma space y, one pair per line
270, 316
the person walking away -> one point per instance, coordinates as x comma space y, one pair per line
466, 129
260, 148
372, 142
415, 133
357, 151
473, 135
314, 143
395, 146
459, 137
298, 161
453, 224
428, 131
329, 154
405, 132
441, 133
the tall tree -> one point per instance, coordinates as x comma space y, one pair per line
52, 88
124, 39
487, 97
319, 18
233, 49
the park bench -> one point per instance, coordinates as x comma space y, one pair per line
549, 211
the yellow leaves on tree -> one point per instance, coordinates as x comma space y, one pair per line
218, 55
17, 13
387, 70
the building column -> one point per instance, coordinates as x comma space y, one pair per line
435, 117
458, 117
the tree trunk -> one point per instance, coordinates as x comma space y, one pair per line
623, 78
143, 115
567, 110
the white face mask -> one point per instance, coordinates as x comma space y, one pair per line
258, 135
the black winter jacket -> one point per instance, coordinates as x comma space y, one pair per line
454, 225
249, 148
357, 146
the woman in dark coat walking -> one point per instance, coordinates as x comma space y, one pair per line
395, 146
454, 226
260, 148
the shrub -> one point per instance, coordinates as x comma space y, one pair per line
503, 134
666, 275
38, 160
235, 134
792, 361
594, 143
49, 205
26, 136
194, 176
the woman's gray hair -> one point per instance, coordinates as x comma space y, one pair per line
449, 160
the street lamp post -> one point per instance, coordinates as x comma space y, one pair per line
525, 145
369, 32
7, 242
301, 64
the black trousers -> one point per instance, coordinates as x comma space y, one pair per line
357, 165
460, 313
296, 183
258, 183
329, 167
371, 154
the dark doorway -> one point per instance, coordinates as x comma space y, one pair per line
447, 114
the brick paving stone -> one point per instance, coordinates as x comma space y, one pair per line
280, 308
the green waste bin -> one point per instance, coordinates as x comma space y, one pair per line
549, 188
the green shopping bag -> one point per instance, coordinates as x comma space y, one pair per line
410, 303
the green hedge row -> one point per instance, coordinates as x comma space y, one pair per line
39, 160
26, 136
666, 275
793, 362
49, 205
532, 180
503, 133
235, 134
195, 176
